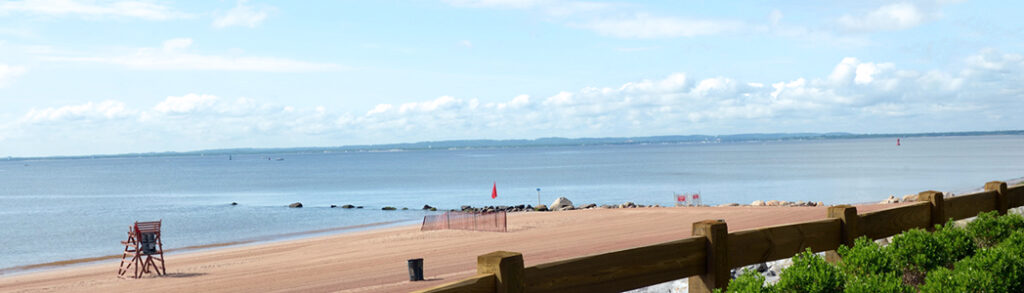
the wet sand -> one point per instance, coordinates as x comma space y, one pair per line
375, 260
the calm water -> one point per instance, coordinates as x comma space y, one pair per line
63, 209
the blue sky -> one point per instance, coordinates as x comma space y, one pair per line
100, 77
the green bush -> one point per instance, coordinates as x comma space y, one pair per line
986, 256
810, 273
918, 252
1014, 243
989, 228
957, 242
943, 280
749, 282
877, 283
866, 258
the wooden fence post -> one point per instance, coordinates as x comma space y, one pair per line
506, 266
938, 213
849, 229
718, 275
1002, 204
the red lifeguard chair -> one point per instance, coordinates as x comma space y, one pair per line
145, 248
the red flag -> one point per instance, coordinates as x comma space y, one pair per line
494, 190
681, 198
696, 196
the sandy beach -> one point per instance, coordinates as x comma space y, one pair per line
375, 261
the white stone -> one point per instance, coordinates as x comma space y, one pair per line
757, 203
560, 203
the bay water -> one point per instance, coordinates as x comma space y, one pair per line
63, 209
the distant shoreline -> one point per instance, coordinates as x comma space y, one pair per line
539, 142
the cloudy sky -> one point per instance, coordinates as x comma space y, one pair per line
102, 77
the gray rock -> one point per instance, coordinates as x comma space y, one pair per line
541, 208
234, 203
334, 206
466, 208
348, 206
388, 208
427, 207
295, 205
560, 204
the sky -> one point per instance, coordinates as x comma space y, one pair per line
84, 77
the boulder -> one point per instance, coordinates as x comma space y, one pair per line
466, 208
757, 203
560, 203
334, 206
541, 208
234, 203
800, 203
427, 207
773, 203
348, 206
820, 204
388, 208
295, 205
359, 207
785, 203
892, 199
910, 198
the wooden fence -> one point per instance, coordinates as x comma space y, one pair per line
712, 252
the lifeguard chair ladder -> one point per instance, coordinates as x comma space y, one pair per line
145, 248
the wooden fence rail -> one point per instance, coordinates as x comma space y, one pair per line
712, 252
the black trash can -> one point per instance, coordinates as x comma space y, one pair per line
416, 269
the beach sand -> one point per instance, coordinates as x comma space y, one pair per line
375, 261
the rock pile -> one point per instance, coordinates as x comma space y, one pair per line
783, 203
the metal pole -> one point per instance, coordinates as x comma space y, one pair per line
538, 195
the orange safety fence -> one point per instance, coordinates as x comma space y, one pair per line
492, 222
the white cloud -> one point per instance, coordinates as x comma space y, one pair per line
466, 43
645, 26
175, 55
889, 17
185, 104
90, 111
134, 9
8, 73
242, 15
857, 96
517, 4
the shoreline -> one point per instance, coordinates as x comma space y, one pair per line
47, 266
375, 259
326, 232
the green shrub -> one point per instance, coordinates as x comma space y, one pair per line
989, 228
876, 283
918, 252
1014, 243
866, 258
810, 273
957, 242
749, 282
943, 280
